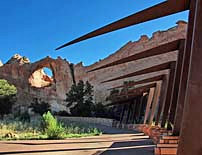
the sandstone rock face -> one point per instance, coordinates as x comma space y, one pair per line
1, 64
158, 38
49, 90
32, 82
17, 59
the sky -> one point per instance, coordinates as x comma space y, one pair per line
34, 28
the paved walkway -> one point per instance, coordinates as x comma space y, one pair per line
116, 142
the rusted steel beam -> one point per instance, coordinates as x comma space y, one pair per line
178, 73
152, 79
122, 114
149, 101
161, 49
155, 101
128, 114
138, 112
126, 97
155, 68
134, 108
184, 76
160, 10
138, 90
169, 94
190, 137
162, 99
122, 101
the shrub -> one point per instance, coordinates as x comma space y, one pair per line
7, 97
51, 127
40, 107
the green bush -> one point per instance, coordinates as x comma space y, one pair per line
40, 107
51, 127
7, 97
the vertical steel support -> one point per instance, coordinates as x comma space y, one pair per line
122, 115
169, 94
149, 101
176, 84
162, 98
155, 101
190, 137
134, 108
128, 114
184, 75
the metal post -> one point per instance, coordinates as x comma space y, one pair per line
190, 137
169, 94
184, 75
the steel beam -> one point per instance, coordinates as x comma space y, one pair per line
160, 10
136, 91
184, 76
190, 141
178, 73
149, 101
162, 99
155, 68
161, 49
155, 101
169, 94
152, 79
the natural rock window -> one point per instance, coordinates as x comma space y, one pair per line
42, 77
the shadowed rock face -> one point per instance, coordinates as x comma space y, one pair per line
32, 82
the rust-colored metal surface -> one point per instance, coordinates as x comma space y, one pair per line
152, 79
178, 73
155, 68
162, 99
133, 93
122, 101
149, 102
164, 48
163, 9
155, 101
184, 76
169, 94
137, 91
190, 137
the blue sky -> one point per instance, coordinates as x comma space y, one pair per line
34, 28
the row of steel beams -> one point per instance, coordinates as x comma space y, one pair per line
189, 95
169, 107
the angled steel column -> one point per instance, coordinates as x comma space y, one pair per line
176, 84
134, 108
162, 99
184, 75
149, 101
169, 94
155, 101
190, 137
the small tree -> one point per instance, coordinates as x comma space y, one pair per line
81, 96
7, 97
40, 107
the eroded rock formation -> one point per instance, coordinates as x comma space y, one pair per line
32, 82
1, 64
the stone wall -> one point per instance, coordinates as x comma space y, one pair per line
88, 120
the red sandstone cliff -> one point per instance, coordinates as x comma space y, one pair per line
31, 82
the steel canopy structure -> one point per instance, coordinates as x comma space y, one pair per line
185, 78
166, 8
